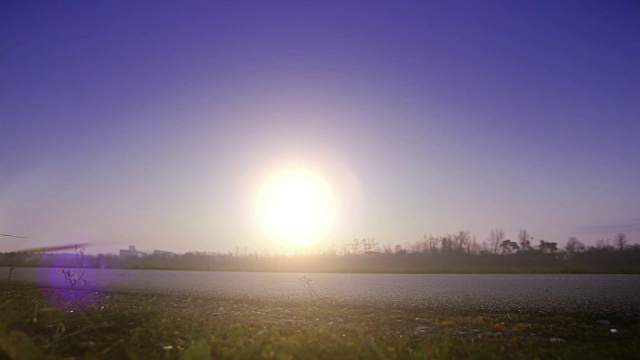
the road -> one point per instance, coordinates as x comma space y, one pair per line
484, 292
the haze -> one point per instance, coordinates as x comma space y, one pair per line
155, 124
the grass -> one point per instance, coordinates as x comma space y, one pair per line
41, 323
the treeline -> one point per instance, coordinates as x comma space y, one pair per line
455, 253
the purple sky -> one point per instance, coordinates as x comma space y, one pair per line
153, 123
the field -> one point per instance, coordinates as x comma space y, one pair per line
43, 323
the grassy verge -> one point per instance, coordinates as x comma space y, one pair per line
44, 323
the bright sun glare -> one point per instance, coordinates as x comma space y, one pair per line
296, 207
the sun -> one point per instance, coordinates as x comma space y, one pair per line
296, 207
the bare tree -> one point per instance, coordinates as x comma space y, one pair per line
574, 245
446, 244
461, 241
525, 239
473, 247
431, 244
398, 249
375, 246
355, 246
603, 244
495, 239
620, 241
369, 245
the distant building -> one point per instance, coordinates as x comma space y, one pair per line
131, 253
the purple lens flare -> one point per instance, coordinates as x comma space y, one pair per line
68, 286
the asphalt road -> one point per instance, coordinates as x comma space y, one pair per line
547, 293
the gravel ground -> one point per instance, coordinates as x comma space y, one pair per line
489, 292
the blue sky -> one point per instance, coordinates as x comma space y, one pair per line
153, 123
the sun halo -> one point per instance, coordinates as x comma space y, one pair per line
296, 207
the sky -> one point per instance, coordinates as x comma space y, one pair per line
156, 123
